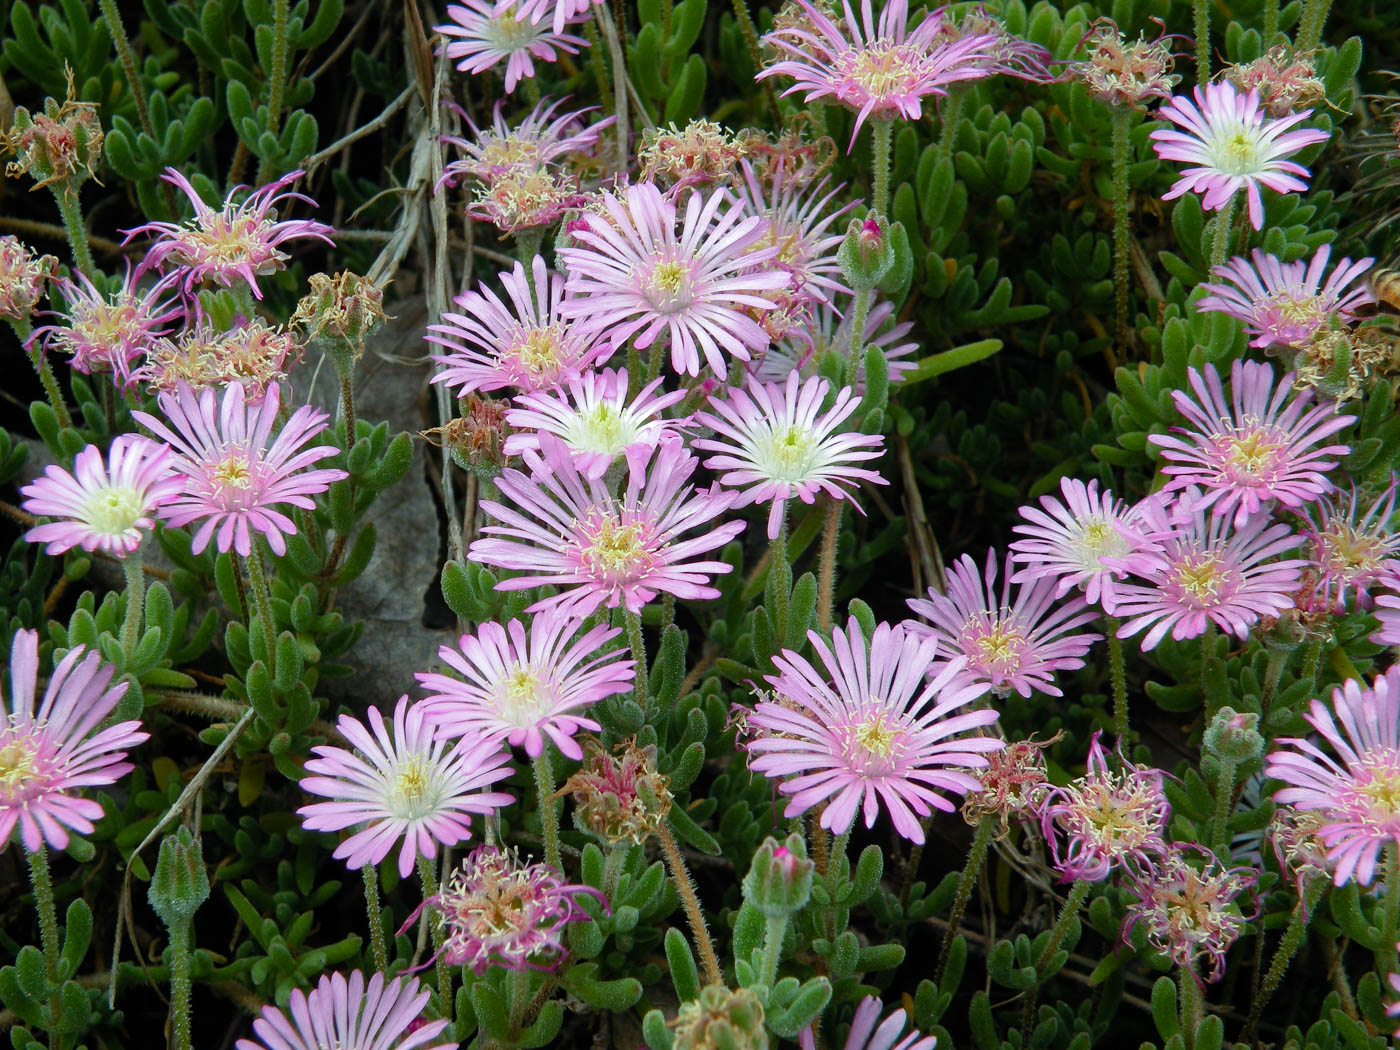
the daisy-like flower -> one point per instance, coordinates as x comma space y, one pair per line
633, 274
1067, 541
523, 198
1387, 611
1351, 548
1256, 448
496, 911
350, 1015
594, 420
558, 13
239, 242
1357, 793
775, 442
1231, 146
567, 530
542, 138
1106, 819
47, 756
880, 71
866, 1035
525, 683
402, 788
1010, 642
1120, 72
236, 472
1283, 304
108, 505
1204, 572
109, 333
485, 34
527, 345
1000, 52
880, 731
23, 277
1189, 910
825, 330
799, 218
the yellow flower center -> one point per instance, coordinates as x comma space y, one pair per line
1253, 455
1379, 785
113, 511
667, 286
883, 69
1237, 154
18, 768
789, 454
235, 472
1346, 551
1201, 579
411, 793
601, 428
1000, 650
508, 33
615, 552
520, 699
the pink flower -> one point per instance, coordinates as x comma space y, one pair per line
1358, 796
539, 140
109, 506
775, 442
570, 531
1232, 146
864, 1035
1009, 643
48, 755
23, 277
525, 198
1387, 611
1069, 541
878, 732
236, 473
1283, 304
237, 242
509, 31
1350, 549
879, 71
826, 330
558, 13
998, 51
594, 420
354, 1015
253, 354
634, 275
527, 345
524, 684
1256, 449
109, 333
403, 789
1204, 572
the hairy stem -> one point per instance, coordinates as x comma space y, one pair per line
1220, 234
1224, 802
750, 34
1273, 672
1270, 22
952, 113
639, 656
48, 931
1310, 26
72, 213
1058, 932
616, 52
262, 598
1122, 154
40, 361
1120, 679
444, 972
781, 594
1193, 1004
181, 951
972, 868
826, 565
680, 877
881, 136
347, 407
277, 75
373, 914
112, 16
135, 602
775, 929
1283, 955
1201, 9
549, 817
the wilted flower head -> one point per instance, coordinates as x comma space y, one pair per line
1014, 784
61, 146
1000, 52
1342, 364
239, 242
1351, 548
1286, 81
253, 355
524, 198
48, 755
700, 154
23, 277
345, 309
619, 798
350, 1015
1120, 72
539, 140
109, 333
476, 439
484, 33
1300, 850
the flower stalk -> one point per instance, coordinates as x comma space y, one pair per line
72, 214
1119, 676
262, 599
881, 137
971, 870
1122, 154
375, 917
40, 361
549, 816
444, 972
135, 574
685, 886
826, 565
1283, 955
639, 657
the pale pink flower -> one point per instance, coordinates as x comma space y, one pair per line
47, 756
350, 1015
633, 275
402, 788
525, 684
1231, 146
999, 52
558, 13
798, 219
539, 140
1258, 447
827, 330
1011, 641
1283, 304
880, 71
237, 473
1387, 611
526, 198
865, 1035
1351, 548
594, 420
109, 505
1357, 793
1203, 572
775, 443
879, 731
527, 345
487, 33
559, 527
109, 333
239, 242
1067, 541
23, 277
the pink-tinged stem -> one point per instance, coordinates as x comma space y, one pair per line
680, 877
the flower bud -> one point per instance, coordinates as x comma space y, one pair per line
62, 145
1233, 736
1283, 635
867, 254
780, 878
720, 1019
23, 276
180, 884
341, 311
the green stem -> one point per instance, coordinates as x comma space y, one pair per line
775, 929
77, 232
976, 854
1058, 932
1224, 802
347, 406
549, 818
262, 598
881, 136
599, 66
1270, 22
40, 361
781, 594
1202, 12
1220, 234
1312, 661
750, 34
277, 75
1283, 955
113, 18
1120, 679
1193, 1004
619, 68
519, 986
48, 932
680, 877
860, 310
444, 972
181, 951
952, 113
639, 657
1273, 672
826, 565
135, 602
1386, 959
1310, 25
1122, 154
373, 914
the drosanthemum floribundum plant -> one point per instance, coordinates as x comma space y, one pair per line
1203, 572
1351, 548
1231, 146
593, 418
871, 732
49, 754
496, 911
826, 331
526, 683
527, 345
1106, 819
402, 788
354, 1014
638, 269
109, 333
540, 139
559, 527
109, 505
868, 1032
1014, 641
1283, 304
1357, 793
254, 355
239, 242
1256, 448
484, 33
774, 443
237, 473
1068, 541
